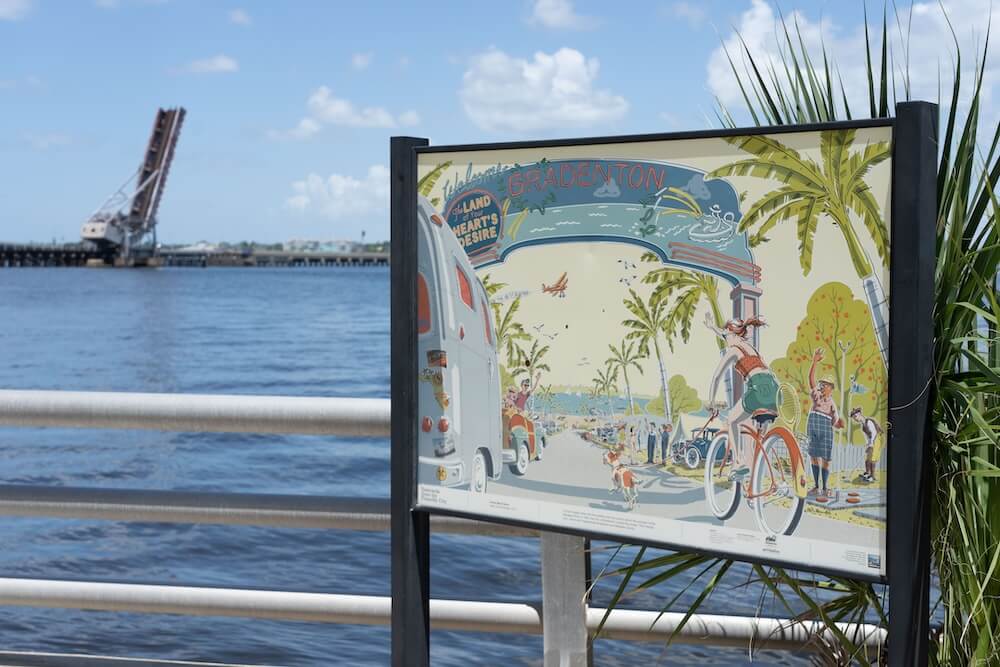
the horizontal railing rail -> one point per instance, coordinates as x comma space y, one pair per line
462, 615
357, 417
351, 417
201, 507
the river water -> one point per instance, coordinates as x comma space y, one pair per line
296, 332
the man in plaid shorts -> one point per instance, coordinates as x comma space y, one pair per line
823, 418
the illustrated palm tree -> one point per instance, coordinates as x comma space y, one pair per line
531, 363
684, 289
646, 325
509, 331
833, 190
605, 382
622, 358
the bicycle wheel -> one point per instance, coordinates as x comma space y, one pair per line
721, 492
776, 505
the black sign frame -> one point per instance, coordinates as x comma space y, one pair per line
912, 261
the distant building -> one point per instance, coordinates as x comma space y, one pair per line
310, 245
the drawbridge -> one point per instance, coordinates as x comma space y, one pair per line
124, 226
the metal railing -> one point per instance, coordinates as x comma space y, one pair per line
318, 416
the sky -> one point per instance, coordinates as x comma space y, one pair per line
291, 105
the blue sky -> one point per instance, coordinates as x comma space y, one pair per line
291, 104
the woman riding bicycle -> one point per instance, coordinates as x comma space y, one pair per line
760, 392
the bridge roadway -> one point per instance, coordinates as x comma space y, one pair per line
27, 254
79, 254
272, 258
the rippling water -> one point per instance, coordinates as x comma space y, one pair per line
299, 332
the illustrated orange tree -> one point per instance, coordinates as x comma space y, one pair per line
839, 324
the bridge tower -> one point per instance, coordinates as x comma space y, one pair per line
124, 226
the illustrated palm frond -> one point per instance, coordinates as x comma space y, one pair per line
862, 202
778, 169
426, 184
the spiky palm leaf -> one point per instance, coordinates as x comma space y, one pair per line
965, 390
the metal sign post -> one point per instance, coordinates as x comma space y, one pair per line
410, 528
911, 345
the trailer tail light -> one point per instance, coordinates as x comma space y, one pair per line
438, 358
426, 424
443, 424
436, 219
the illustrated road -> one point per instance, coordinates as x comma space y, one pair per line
571, 472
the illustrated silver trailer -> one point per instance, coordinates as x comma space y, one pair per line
459, 444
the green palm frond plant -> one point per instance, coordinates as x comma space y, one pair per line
802, 86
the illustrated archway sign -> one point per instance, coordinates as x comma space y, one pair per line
474, 227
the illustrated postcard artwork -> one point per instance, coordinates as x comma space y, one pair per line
678, 342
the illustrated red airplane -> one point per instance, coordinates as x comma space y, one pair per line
558, 288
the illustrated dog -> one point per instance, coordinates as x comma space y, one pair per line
622, 478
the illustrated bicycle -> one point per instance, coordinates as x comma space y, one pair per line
776, 487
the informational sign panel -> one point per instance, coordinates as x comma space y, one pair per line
678, 342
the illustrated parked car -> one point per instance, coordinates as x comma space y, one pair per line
521, 443
459, 442
694, 451
606, 433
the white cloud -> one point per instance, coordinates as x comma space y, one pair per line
43, 142
219, 64
930, 48
338, 196
694, 14
559, 14
409, 118
360, 61
325, 109
550, 91
239, 17
14, 10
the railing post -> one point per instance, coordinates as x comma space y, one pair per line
564, 604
